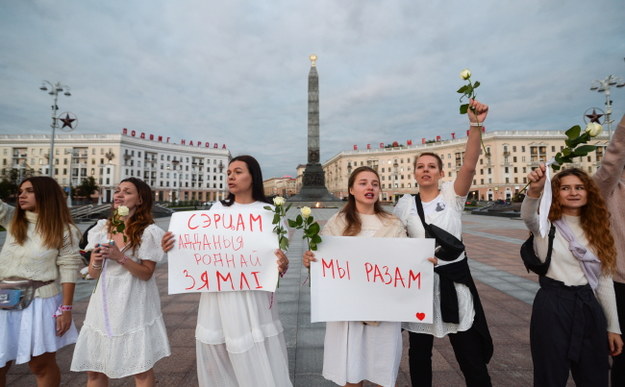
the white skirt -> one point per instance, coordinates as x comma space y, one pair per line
32, 331
240, 341
353, 352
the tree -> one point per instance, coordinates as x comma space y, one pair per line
87, 187
7, 189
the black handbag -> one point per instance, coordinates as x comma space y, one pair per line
448, 247
531, 260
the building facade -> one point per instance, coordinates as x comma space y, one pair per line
499, 176
280, 186
175, 171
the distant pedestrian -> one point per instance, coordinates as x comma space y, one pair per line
124, 333
239, 336
458, 312
574, 324
611, 181
41, 247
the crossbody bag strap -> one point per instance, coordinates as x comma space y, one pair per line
552, 234
417, 199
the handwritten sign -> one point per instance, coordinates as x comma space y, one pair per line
372, 279
222, 250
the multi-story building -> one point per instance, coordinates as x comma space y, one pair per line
176, 171
283, 186
512, 155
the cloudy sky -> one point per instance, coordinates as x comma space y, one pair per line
235, 71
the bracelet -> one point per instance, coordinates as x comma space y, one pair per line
96, 267
61, 309
476, 124
123, 260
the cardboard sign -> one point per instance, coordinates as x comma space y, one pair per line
223, 250
372, 279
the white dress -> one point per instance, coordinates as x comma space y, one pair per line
239, 336
354, 351
124, 332
445, 211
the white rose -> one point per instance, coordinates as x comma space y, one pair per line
123, 211
465, 74
593, 129
278, 201
305, 211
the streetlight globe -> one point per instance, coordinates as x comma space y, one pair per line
67, 93
43, 88
593, 88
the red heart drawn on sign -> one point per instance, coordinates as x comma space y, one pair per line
420, 316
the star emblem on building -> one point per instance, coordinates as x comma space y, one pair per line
67, 121
594, 117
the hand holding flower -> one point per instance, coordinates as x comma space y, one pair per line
118, 224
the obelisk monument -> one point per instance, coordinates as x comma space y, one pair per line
313, 181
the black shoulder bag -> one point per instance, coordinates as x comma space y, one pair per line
448, 247
531, 260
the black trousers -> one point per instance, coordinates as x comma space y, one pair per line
467, 349
618, 362
568, 333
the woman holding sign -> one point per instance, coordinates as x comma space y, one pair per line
574, 323
457, 309
41, 252
124, 332
355, 351
239, 336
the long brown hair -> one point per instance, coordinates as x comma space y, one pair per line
53, 217
594, 217
142, 217
352, 217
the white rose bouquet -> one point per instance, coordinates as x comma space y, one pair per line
280, 213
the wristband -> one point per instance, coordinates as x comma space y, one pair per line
61, 309
123, 260
476, 124
96, 267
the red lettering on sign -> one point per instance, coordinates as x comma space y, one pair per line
204, 278
186, 274
335, 269
221, 278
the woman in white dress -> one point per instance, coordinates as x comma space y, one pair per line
355, 351
239, 336
457, 309
41, 245
124, 332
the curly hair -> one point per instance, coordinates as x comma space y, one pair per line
142, 217
594, 217
352, 218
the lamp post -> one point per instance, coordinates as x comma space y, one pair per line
54, 91
603, 86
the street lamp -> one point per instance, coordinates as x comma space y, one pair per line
54, 91
603, 86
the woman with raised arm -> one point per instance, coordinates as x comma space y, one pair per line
41, 246
574, 325
458, 312
355, 351
124, 332
239, 336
